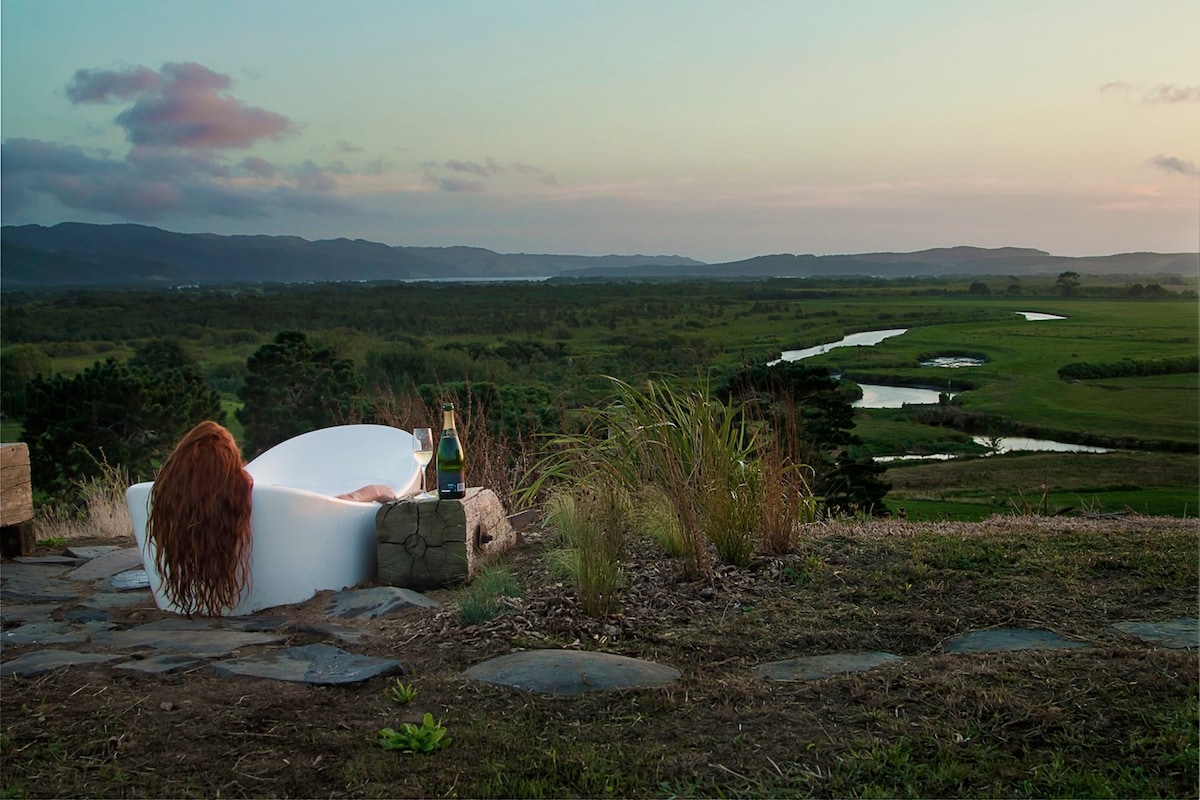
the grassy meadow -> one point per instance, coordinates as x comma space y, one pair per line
563, 336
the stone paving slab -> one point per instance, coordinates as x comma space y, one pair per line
202, 643
346, 634
108, 564
375, 602
1009, 639
571, 672
811, 668
88, 552
161, 663
53, 633
66, 561
314, 663
129, 580
1176, 633
21, 613
43, 661
29, 587
110, 600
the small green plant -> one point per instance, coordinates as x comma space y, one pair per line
52, 541
428, 737
401, 693
479, 602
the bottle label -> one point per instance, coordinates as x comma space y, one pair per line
451, 486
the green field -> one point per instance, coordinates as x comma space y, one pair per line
563, 335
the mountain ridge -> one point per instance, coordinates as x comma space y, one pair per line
126, 254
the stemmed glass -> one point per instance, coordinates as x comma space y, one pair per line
423, 450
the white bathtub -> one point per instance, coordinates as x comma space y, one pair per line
303, 538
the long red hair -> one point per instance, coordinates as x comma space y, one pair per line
200, 522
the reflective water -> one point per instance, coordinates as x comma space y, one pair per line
953, 362
875, 396
864, 339
1009, 444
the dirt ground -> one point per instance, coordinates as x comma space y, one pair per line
931, 724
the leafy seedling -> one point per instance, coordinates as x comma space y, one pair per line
427, 737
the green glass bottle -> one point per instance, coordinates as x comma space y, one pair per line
450, 459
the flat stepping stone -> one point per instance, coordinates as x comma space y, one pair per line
811, 668
379, 601
37, 568
314, 663
29, 587
161, 663
129, 580
571, 672
65, 561
43, 661
108, 600
87, 553
1174, 633
202, 642
22, 614
108, 564
346, 634
255, 624
53, 633
1009, 639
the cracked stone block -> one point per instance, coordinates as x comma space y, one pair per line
429, 543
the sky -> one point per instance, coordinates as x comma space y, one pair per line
718, 130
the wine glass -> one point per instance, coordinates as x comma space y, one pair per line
423, 450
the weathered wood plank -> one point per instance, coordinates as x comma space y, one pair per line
427, 544
16, 489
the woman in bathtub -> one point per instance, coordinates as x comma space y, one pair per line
200, 520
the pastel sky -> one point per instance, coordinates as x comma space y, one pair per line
718, 130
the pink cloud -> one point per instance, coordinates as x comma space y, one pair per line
182, 105
1160, 94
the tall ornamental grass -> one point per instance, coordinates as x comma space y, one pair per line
679, 444
593, 523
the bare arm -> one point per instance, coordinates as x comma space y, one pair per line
374, 493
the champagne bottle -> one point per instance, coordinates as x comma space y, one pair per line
450, 459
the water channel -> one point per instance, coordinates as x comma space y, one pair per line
879, 396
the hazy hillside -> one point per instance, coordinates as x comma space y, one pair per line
938, 261
78, 254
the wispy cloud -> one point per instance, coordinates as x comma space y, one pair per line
1159, 94
1176, 165
484, 171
